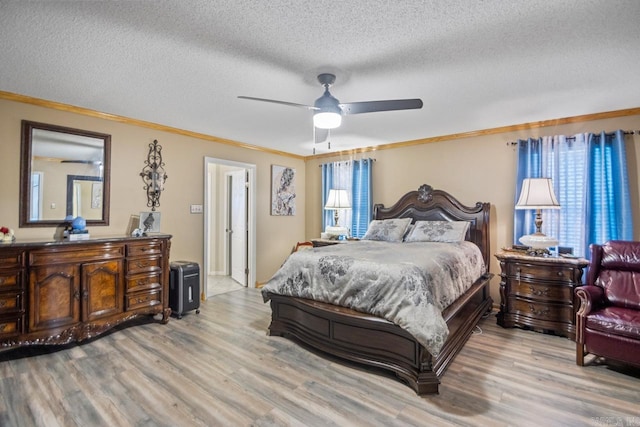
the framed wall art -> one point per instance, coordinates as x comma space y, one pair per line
283, 190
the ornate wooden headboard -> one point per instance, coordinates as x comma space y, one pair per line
427, 204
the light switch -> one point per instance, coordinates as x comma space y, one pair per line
195, 209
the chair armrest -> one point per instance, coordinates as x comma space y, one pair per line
590, 297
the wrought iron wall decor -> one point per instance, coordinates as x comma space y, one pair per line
153, 175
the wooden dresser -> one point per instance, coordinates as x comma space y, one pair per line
538, 292
59, 292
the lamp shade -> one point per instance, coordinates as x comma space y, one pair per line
537, 193
337, 199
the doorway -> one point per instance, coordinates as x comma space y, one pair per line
229, 226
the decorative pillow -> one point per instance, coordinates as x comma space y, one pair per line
388, 230
438, 231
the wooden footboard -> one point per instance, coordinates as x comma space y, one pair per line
373, 341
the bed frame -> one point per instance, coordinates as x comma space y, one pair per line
376, 342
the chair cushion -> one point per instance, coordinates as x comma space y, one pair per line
621, 255
621, 288
615, 321
619, 273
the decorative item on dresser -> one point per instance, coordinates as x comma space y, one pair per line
57, 292
538, 292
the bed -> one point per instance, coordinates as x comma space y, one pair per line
373, 341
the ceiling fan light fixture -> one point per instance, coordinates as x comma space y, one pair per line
327, 120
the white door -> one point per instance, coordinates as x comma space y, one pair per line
238, 225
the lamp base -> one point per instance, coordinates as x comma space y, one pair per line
337, 231
539, 241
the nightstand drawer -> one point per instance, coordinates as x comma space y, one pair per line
541, 311
542, 291
548, 272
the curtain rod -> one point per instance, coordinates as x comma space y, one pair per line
339, 161
626, 132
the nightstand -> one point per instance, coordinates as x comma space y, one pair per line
538, 292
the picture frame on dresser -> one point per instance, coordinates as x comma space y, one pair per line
150, 222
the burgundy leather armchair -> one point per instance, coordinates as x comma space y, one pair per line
608, 315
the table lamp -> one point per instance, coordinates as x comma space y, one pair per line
537, 193
337, 199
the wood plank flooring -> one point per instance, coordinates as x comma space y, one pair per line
219, 368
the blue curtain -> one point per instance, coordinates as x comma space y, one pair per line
355, 177
361, 192
529, 166
608, 199
327, 184
589, 174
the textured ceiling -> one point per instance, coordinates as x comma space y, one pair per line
476, 64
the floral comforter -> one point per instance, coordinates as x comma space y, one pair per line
408, 284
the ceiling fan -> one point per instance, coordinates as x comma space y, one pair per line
328, 111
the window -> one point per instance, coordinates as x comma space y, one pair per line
590, 179
355, 177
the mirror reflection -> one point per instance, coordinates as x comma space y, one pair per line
64, 171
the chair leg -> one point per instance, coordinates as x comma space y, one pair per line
579, 354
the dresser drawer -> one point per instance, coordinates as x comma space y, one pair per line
144, 265
10, 302
144, 248
144, 299
542, 291
547, 272
542, 311
11, 259
73, 254
10, 326
142, 282
10, 280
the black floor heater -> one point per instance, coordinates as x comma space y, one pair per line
184, 287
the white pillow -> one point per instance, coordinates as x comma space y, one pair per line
438, 231
388, 230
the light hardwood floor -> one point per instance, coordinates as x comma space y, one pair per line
220, 368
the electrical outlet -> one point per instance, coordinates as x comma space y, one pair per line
195, 209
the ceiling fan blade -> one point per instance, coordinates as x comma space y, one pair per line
388, 105
320, 135
291, 104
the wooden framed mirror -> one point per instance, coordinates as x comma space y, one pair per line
60, 166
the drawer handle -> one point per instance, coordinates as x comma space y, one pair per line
142, 282
539, 292
76, 295
141, 300
141, 264
3, 303
541, 312
3, 326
